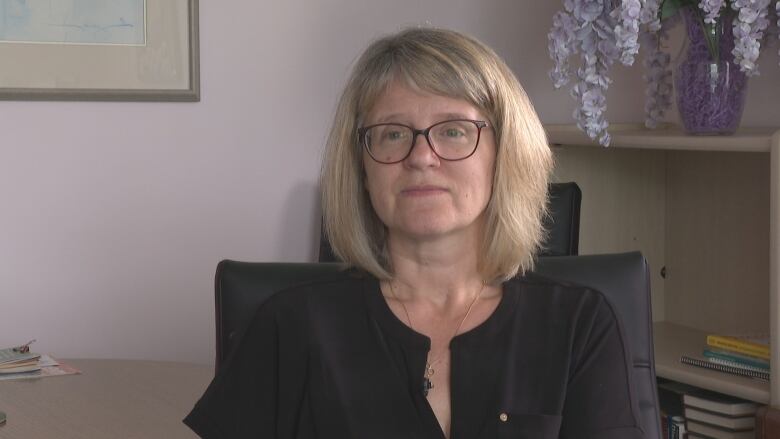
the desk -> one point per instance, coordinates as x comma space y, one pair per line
109, 399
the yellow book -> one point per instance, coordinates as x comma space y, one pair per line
756, 347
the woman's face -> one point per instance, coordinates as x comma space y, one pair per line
424, 197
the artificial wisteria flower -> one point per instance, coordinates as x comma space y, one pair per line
561, 45
627, 29
658, 77
583, 27
605, 31
711, 9
650, 15
601, 36
777, 10
749, 26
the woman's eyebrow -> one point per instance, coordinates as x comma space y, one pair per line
438, 117
393, 117
448, 116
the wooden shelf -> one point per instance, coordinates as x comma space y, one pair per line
672, 341
667, 136
706, 211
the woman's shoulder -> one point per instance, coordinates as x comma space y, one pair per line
550, 298
546, 288
339, 288
577, 310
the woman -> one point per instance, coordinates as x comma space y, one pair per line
434, 189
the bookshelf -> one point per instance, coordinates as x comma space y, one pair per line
704, 210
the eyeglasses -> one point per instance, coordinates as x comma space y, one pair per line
451, 140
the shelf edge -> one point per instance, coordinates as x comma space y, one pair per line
667, 137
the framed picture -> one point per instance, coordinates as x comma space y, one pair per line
99, 50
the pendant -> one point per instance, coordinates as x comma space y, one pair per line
427, 384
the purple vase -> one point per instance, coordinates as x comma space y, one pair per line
709, 86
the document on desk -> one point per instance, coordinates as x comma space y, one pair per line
14, 361
49, 367
10, 357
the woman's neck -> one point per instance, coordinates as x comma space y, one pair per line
442, 272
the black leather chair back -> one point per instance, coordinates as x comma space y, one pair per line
625, 280
562, 225
242, 286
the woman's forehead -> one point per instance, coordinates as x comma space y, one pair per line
399, 99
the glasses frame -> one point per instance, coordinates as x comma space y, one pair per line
363, 131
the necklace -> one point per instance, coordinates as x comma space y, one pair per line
429, 370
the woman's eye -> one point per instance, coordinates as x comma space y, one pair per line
453, 133
394, 135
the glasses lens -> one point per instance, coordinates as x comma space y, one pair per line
388, 143
454, 139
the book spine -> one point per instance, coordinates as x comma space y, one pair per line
736, 364
737, 358
678, 427
665, 425
723, 368
737, 345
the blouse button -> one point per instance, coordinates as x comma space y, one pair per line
503, 417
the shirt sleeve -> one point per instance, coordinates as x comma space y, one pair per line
600, 399
260, 390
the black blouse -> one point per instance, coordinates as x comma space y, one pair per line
330, 360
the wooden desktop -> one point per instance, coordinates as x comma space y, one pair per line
109, 399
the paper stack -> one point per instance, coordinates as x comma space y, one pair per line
20, 363
12, 361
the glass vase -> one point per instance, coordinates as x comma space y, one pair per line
709, 86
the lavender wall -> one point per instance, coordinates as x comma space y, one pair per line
114, 215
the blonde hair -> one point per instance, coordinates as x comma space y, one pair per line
450, 64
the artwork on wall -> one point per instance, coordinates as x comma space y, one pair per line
111, 50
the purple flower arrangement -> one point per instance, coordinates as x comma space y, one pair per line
606, 31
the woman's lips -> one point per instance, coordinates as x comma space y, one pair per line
422, 191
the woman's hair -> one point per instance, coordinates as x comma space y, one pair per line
446, 63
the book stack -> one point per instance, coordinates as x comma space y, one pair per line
19, 363
743, 356
12, 361
718, 416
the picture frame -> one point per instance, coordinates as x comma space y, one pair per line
162, 64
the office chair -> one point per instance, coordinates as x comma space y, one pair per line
241, 287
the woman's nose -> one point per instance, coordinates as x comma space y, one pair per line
422, 153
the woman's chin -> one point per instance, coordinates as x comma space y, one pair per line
429, 230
